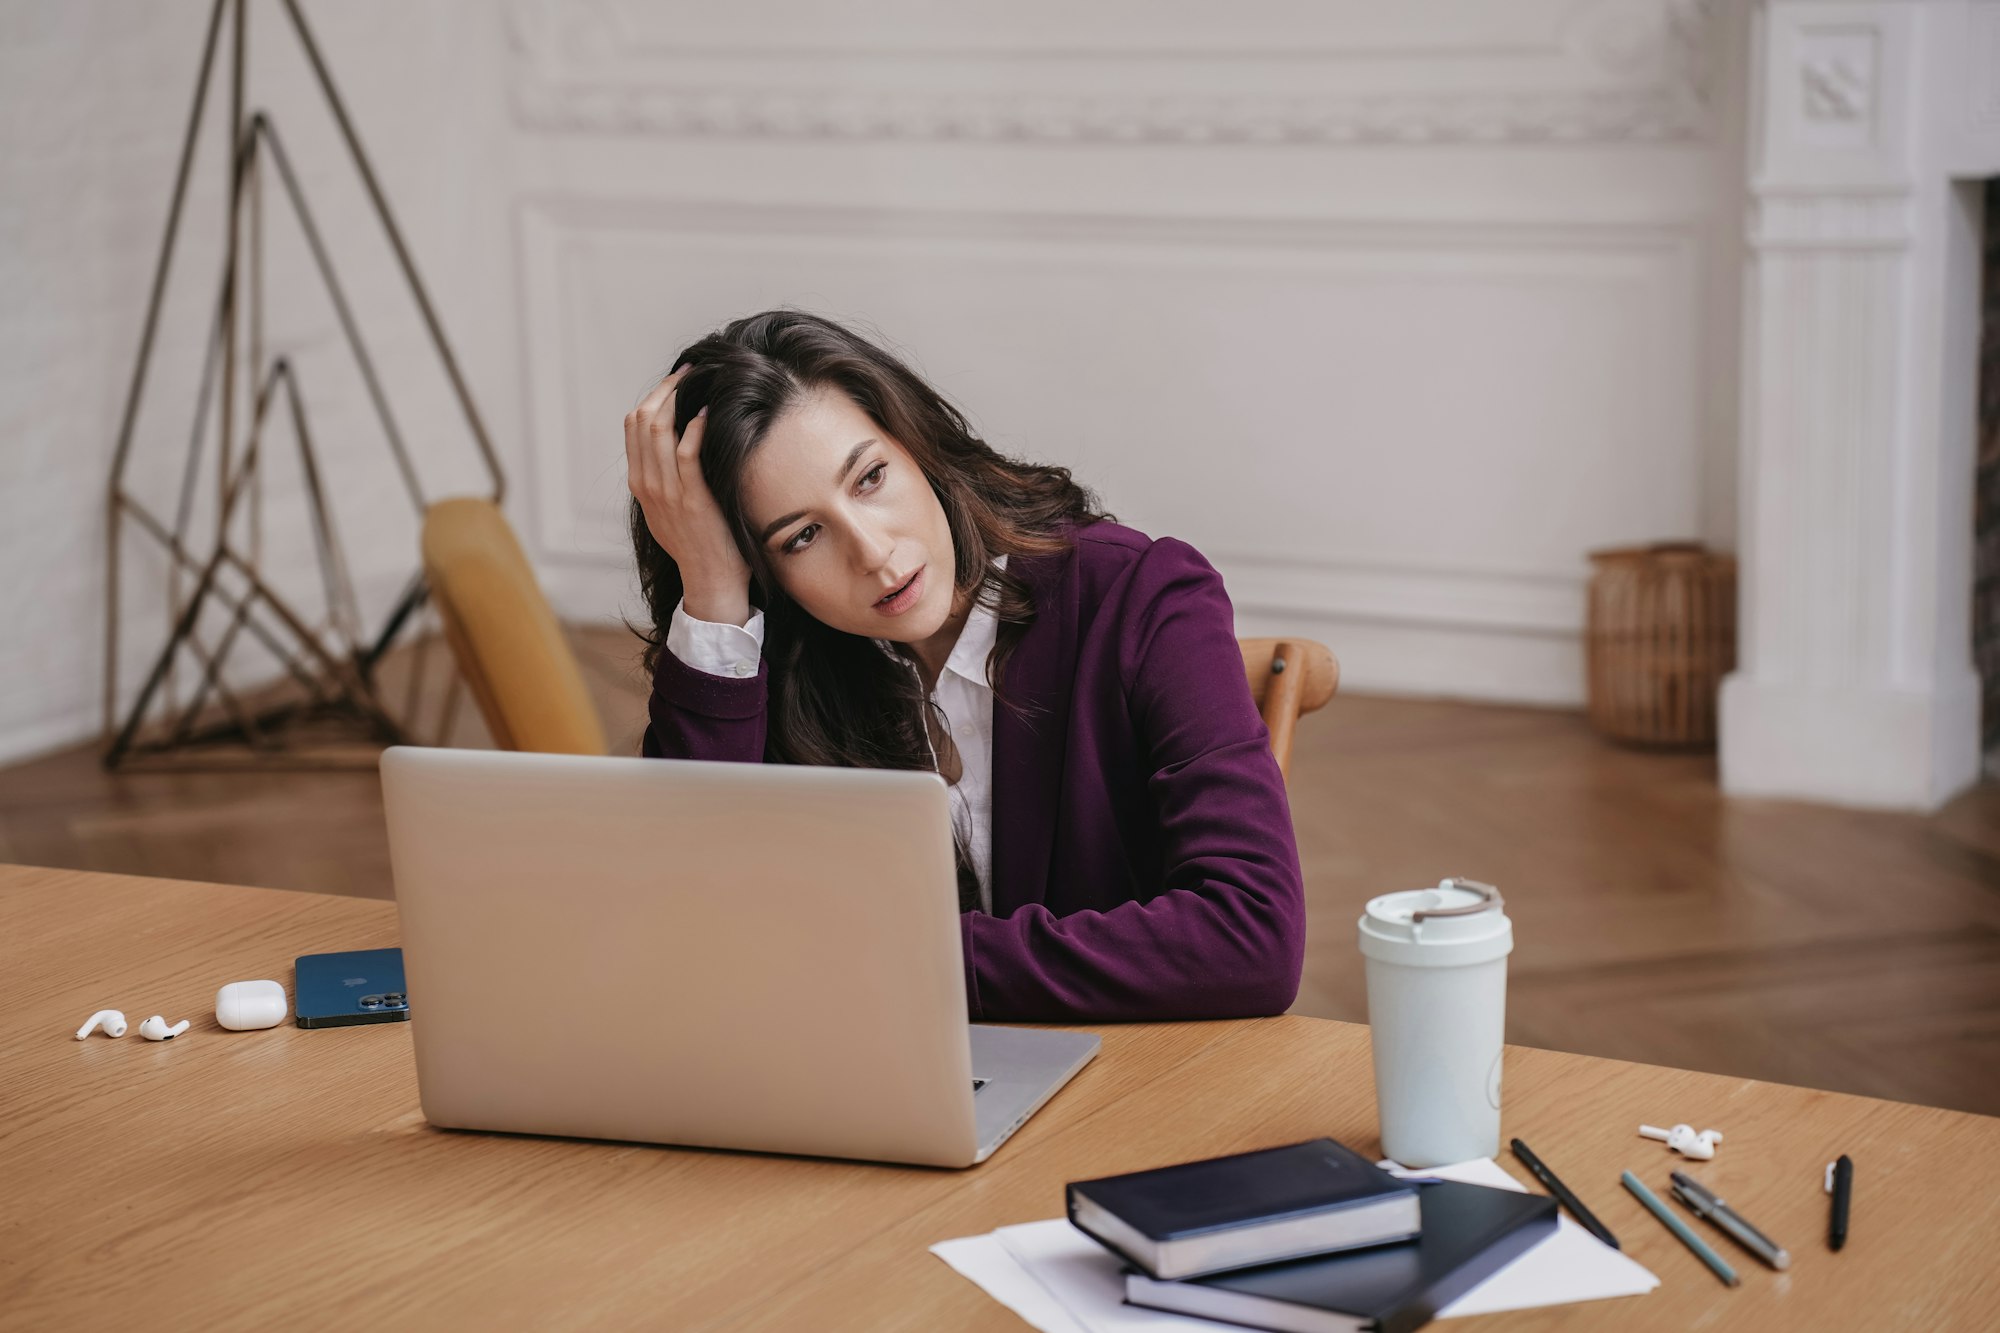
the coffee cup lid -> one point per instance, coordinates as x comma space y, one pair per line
1458, 922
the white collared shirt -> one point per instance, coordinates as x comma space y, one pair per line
964, 694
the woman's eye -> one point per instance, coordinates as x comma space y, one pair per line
804, 535
874, 474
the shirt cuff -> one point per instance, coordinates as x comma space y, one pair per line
718, 650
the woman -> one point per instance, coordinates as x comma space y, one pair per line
840, 573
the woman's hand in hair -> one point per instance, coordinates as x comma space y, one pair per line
664, 476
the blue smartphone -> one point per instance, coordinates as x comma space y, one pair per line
339, 989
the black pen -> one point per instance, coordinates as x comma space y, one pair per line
1840, 1184
1563, 1196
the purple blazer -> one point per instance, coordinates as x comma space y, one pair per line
1143, 859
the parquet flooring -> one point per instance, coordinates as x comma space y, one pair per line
1655, 920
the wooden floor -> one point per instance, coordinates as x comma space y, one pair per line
1654, 920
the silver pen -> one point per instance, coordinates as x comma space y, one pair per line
1705, 1203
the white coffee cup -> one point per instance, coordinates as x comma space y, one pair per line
1437, 1014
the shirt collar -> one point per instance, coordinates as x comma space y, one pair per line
975, 641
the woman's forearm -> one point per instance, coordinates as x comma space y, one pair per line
695, 715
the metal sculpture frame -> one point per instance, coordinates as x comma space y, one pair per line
338, 678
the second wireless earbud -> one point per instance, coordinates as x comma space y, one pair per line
110, 1020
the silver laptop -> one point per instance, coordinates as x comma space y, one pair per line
752, 956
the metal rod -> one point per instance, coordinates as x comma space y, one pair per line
148, 328
164, 265
158, 531
415, 593
262, 126
185, 621
342, 608
235, 159
191, 471
402, 251
240, 477
254, 188
413, 693
211, 679
359, 691
253, 474
183, 624
328, 661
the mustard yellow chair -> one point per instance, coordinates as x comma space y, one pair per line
1289, 678
507, 642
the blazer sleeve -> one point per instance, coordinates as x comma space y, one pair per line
694, 715
1224, 935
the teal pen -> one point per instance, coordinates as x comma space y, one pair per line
1680, 1228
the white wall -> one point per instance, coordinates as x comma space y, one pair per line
1394, 310
94, 101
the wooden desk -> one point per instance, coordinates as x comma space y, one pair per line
285, 1179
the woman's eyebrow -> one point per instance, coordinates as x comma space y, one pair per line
853, 457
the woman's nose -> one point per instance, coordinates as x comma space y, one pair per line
872, 549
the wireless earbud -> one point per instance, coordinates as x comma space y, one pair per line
156, 1029
1683, 1140
111, 1020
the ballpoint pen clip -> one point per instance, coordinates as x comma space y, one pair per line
1692, 1192
1829, 1176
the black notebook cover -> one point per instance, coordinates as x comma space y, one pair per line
1470, 1232
1173, 1202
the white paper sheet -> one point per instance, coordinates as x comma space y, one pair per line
986, 1262
1042, 1267
1571, 1265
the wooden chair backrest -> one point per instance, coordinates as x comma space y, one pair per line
505, 637
1288, 678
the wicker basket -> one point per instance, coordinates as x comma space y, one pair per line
1661, 636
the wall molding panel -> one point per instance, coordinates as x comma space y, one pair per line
1610, 71
1395, 311
1498, 578
1879, 218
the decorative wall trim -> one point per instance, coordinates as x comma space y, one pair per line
1654, 115
1795, 219
1839, 84
1624, 71
1839, 70
557, 235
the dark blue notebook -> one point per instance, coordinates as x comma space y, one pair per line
1470, 1232
1249, 1208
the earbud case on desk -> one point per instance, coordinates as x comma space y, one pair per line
246, 1006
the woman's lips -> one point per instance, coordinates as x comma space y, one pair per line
905, 599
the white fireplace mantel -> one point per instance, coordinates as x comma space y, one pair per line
1871, 123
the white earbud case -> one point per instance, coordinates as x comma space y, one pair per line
245, 1006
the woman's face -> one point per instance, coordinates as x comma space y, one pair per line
849, 523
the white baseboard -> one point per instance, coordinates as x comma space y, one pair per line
1872, 748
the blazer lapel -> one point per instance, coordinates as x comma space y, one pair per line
1028, 750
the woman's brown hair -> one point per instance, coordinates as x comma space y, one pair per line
835, 698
